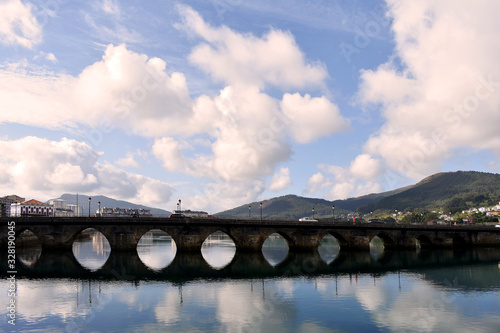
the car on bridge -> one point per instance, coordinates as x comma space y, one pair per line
307, 219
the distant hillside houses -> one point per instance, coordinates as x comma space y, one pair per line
488, 211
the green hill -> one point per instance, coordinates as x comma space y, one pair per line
293, 207
447, 191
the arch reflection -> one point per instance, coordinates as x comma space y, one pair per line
156, 249
91, 249
376, 248
329, 248
218, 250
275, 249
31, 249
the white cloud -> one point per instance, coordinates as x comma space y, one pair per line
235, 58
317, 182
280, 180
45, 169
445, 96
110, 7
245, 132
47, 56
218, 196
365, 167
363, 176
311, 118
18, 25
130, 159
247, 139
124, 89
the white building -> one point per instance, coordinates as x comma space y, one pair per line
31, 208
5, 203
63, 209
191, 213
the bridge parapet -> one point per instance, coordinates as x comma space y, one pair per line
124, 234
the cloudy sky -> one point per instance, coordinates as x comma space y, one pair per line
222, 102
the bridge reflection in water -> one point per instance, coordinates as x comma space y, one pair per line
168, 265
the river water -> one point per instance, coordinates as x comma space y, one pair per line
92, 289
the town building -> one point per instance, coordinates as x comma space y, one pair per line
191, 213
5, 203
123, 212
63, 209
31, 208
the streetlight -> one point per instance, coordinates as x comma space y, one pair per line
249, 209
99, 208
313, 213
396, 213
90, 199
333, 213
180, 208
261, 212
371, 215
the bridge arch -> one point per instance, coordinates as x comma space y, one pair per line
459, 242
91, 253
156, 249
343, 243
78, 231
220, 255
273, 252
21, 231
423, 242
387, 240
289, 239
220, 230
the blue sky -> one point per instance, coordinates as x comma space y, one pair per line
223, 102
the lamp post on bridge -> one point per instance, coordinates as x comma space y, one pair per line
90, 199
261, 212
313, 213
99, 203
249, 211
333, 213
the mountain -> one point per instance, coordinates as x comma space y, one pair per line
293, 207
83, 201
446, 191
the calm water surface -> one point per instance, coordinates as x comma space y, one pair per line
92, 289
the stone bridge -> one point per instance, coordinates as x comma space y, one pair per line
123, 234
